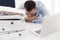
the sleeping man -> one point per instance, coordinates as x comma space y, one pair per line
35, 11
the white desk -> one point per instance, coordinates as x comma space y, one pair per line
24, 35
18, 25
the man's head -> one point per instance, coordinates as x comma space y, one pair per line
30, 8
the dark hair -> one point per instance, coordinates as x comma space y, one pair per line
29, 5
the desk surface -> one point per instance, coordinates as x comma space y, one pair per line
31, 25
28, 35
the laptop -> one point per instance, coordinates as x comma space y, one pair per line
49, 26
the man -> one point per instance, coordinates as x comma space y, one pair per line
35, 11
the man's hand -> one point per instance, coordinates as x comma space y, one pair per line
29, 19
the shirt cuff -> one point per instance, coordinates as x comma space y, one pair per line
37, 22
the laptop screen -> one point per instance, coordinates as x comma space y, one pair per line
8, 3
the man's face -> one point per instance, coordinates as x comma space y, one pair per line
30, 13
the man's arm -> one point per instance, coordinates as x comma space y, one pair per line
42, 9
30, 19
38, 20
41, 12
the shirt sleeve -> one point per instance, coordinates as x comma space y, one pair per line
41, 12
38, 20
42, 9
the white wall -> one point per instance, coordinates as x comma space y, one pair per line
56, 6
18, 2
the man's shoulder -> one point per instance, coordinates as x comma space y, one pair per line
39, 3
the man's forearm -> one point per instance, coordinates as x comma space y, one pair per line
30, 19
